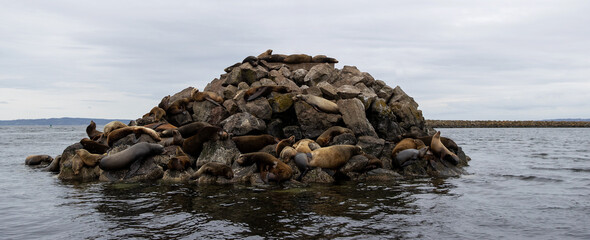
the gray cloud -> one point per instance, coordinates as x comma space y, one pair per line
459, 60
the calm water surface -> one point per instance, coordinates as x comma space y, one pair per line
524, 184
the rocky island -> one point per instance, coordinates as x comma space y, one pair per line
291, 119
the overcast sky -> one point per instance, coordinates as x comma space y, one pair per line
474, 60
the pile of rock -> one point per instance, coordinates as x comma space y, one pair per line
275, 95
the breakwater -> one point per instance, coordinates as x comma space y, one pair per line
506, 124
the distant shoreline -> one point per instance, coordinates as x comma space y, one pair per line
58, 121
506, 124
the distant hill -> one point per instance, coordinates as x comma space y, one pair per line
569, 120
59, 121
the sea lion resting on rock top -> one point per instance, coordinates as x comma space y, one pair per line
287, 154
89, 159
215, 169
297, 58
270, 167
408, 156
194, 144
253, 143
180, 162
327, 135
137, 130
407, 143
125, 158
94, 146
306, 145
156, 112
449, 143
260, 91
92, 132
284, 143
439, 150
176, 139
212, 97
319, 103
332, 157
114, 125
38, 159
323, 59
188, 130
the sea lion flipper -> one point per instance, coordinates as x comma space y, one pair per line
213, 101
258, 93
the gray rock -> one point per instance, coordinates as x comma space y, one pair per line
229, 92
245, 73
381, 116
184, 93
231, 106
206, 111
317, 175
348, 91
367, 95
328, 91
224, 152
312, 122
281, 80
242, 123
298, 76
280, 103
371, 145
356, 164
313, 91
320, 73
353, 114
215, 86
275, 128
385, 92
344, 139
140, 171
259, 107
180, 118
293, 131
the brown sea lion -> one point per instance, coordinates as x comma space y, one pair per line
188, 130
178, 106
89, 159
439, 150
125, 158
297, 58
38, 159
323, 59
180, 161
92, 132
265, 55
54, 165
304, 145
114, 125
327, 135
160, 126
164, 103
77, 164
214, 169
94, 146
261, 91
276, 58
251, 60
320, 104
176, 139
137, 130
374, 162
449, 143
332, 157
253, 143
269, 166
214, 98
284, 143
287, 154
157, 113
194, 144
407, 143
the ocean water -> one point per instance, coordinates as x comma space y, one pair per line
523, 184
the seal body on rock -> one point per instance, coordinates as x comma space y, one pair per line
157, 113
137, 130
89, 159
125, 158
37, 159
327, 135
188, 130
449, 143
176, 139
319, 103
94, 146
92, 132
439, 150
332, 157
253, 143
304, 145
198, 96
287, 153
284, 143
407, 156
262, 91
180, 162
109, 127
269, 166
407, 143
194, 144
297, 58
215, 169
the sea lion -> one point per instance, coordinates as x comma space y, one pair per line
304, 145
297, 58
89, 159
256, 92
323, 59
94, 146
114, 125
251, 60
37, 159
188, 130
265, 55
439, 150
137, 130
269, 166
373, 163
161, 126
320, 104
125, 158
157, 113
214, 169
287, 154
212, 97
92, 132
164, 103
176, 139
54, 165
253, 143
332, 157
276, 58
449, 143
180, 162
194, 144
77, 164
407, 143
178, 106
284, 143
408, 156
327, 135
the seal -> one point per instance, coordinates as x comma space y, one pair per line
125, 158
109, 127
407, 143
92, 132
276, 58
332, 157
164, 103
270, 167
37, 159
297, 58
89, 159
408, 156
265, 55
439, 150
176, 139
188, 130
327, 135
320, 104
253, 143
323, 59
262, 91
305, 145
284, 143
206, 96
180, 161
287, 154
161, 126
77, 164
214, 169
449, 143
157, 113
137, 130
178, 106
252, 60
54, 165
94, 146
194, 144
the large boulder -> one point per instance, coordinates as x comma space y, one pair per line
242, 124
353, 114
313, 122
218, 151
